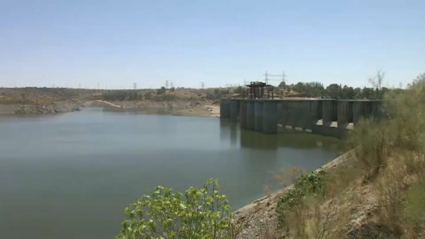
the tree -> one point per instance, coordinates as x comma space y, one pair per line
368, 93
199, 213
357, 93
377, 83
347, 92
334, 90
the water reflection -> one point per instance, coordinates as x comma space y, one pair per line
224, 129
256, 140
233, 133
287, 138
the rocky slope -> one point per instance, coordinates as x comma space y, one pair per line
58, 107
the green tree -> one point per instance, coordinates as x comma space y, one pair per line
199, 213
368, 93
358, 93
334, 90
347, 92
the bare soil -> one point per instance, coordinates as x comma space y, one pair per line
57, 107
187, 102
202, 108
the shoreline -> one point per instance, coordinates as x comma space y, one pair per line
57, 107
177, 108
261, 212
252, 217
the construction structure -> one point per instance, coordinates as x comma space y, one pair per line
258, 89
324, 117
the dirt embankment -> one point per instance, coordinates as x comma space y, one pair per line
259, 217
58, 107
206, 108
190, 102
40, 100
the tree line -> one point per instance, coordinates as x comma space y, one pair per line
120, 95
317, 89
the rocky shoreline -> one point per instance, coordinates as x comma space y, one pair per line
201, 108
260, 215
58, 107
178, 108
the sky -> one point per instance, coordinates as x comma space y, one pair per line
115, 43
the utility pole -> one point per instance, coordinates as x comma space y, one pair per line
135, 85
202, 85
268, 75
166, 84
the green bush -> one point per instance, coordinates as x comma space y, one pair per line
121, 95
199, 213
305, 185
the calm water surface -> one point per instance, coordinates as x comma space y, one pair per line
71, 175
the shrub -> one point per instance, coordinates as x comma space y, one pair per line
148, 95
161, 91
305, 185
121, 95
415, 206
217, 94
199, 213
392, 151
371, 144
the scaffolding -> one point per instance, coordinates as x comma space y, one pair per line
257, 90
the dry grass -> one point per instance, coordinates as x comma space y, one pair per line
391, 155
380, 192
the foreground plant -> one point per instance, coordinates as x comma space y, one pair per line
198, 213
305, 185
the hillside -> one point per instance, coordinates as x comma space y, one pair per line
54, 100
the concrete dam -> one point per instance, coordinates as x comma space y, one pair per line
320, 116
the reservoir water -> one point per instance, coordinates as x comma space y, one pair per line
72, 175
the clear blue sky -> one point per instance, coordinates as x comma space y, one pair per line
115, 43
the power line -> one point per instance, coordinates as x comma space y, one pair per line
267, 75
283, 76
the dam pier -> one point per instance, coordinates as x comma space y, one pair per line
326, 117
